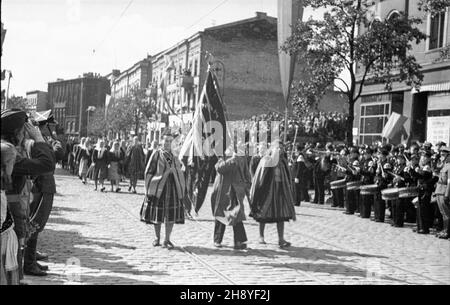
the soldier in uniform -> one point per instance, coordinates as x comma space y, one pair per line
32, 161
43, 191
443, 192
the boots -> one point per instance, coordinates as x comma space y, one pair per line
30, 266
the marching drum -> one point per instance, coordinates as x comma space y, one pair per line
352, 202
390, 194
368, 193
408, 192
337, 189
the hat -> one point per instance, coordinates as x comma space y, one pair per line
355, 163
12, 119
426, 153
427, 144
445, 149
387, 166
440, 143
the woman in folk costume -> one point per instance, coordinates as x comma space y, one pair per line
135, 163
114, 157
231, 185
84, 157
164, 188
100, 164
122, 167
271, 193
9, 267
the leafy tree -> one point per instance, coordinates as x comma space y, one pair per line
331, 47
433, 7
17, 102
130, 112
97, 125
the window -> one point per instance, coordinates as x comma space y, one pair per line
437, 26
375, 112
195, 67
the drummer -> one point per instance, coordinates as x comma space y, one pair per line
353, 174
397, 207
383, 180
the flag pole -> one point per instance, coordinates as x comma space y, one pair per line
7, 90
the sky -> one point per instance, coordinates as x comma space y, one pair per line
50, 39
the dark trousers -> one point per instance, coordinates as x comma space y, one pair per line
424, 213
338, 197
238, 230
366, 205
437, 216
319, 188
302, 192
379, 209
352, 202
40, 207
410, 211
398, 211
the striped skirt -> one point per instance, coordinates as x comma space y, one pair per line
167, 209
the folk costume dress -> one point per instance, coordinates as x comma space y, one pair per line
164, 188
135, 159
100, 164
271, 192
114, 158
84, 156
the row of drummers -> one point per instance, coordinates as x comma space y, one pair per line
404, 186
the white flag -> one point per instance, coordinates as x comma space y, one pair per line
393, 125
107, 101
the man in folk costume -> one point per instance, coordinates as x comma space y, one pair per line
227, 199
271, 193
164, 188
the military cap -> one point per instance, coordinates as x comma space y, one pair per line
12, 119
445, 149
427, 144
387, 166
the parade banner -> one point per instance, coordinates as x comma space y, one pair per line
289, 11
196, 149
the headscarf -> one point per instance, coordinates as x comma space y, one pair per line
116, 152
101, 150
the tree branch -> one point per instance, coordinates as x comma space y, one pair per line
338, 78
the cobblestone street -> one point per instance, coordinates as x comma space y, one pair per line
97, 238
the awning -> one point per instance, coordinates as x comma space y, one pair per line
444, 86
